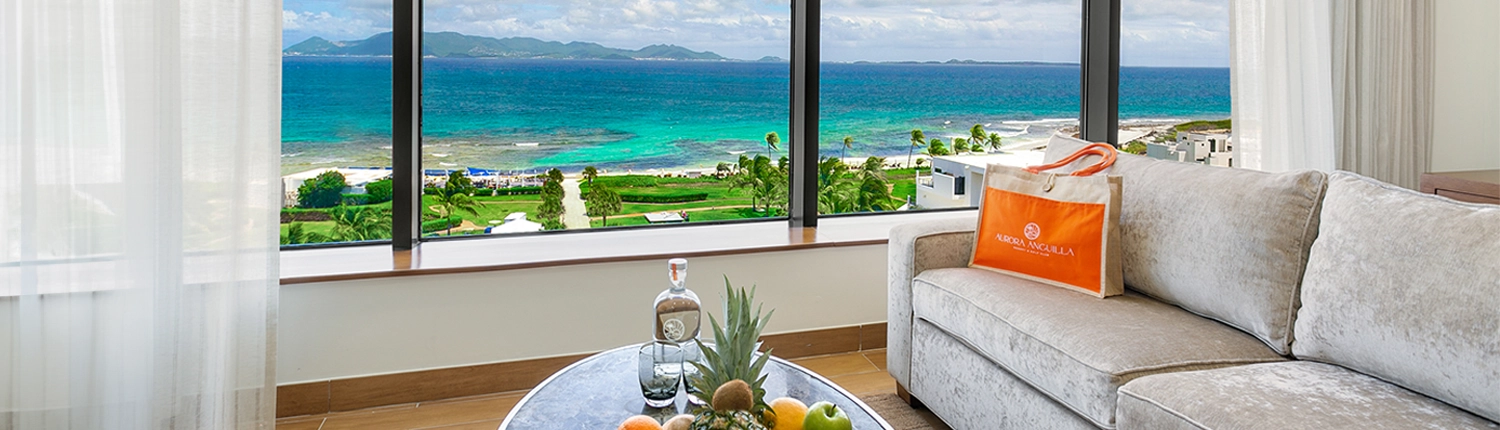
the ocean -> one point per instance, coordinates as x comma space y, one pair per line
529, 115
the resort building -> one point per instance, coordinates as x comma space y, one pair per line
956, 179
1211, 149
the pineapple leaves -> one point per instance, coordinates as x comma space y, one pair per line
734, 355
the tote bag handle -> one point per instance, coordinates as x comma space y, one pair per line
1101, 149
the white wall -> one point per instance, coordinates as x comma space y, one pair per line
1467, 89
343, 329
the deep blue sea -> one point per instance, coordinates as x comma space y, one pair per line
533, 114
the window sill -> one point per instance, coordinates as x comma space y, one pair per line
524, 252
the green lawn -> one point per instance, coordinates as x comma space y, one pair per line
319, 227
489, 208
696, 216
727, 203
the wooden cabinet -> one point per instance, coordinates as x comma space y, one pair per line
1475, 186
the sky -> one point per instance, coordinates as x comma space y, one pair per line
1163, 33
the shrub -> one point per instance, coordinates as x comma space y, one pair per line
672, 197
629, 181
441, 223
297, 215
378, 191
325, 190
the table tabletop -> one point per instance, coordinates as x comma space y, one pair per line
600, 391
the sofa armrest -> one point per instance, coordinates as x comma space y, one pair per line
914, 248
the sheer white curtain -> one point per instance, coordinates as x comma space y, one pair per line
139, 153
1281, 84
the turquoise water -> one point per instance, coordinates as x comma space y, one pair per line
635, 115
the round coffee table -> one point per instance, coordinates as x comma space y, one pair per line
600, 391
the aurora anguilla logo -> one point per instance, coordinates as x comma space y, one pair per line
1032, 231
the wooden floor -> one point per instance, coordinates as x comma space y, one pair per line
861, 373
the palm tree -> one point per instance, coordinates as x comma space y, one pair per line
354, 223
976, 134
837, 191
297, 234
589, 173
936, 148
771, 140
848, 144
747, 178
454, 202
602, 203
874, 194
917, 140
960, 145
873, 166
994, 141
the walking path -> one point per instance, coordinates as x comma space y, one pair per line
575, 214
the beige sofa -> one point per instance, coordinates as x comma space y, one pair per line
1254, 300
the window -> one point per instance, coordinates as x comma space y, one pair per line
1174, 80
555, 115
335, 122
918, 97
568, 115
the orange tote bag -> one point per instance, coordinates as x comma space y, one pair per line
1057, 229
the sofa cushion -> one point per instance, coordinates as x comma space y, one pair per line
1288, 395
1075, 348
1228, 244
1406, 287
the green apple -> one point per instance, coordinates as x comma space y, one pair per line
826, 416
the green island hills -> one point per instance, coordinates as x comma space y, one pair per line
455, 45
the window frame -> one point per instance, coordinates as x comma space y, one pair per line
1099, 74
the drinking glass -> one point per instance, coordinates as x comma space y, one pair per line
660, 372
691, 353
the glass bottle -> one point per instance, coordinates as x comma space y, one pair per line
678, 314
677, 309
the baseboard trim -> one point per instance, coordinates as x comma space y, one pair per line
349, 394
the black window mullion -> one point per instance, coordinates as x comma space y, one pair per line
803, 207
406, 124
1099, 114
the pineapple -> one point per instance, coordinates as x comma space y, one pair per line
733, 360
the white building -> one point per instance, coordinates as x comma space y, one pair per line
1212, 149
956, 180
355, 177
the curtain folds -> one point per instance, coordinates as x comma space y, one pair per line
1383, 87
139, 163
1333, 84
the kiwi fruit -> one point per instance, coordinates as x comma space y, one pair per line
733, 396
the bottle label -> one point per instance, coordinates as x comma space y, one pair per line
678, 326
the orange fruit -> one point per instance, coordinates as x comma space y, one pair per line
640, 422
789, 413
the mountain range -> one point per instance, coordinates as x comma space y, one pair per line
455, 45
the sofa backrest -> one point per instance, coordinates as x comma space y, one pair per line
1228, 244
1405, 286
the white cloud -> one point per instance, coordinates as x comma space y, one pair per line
1153, 32
298, 26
